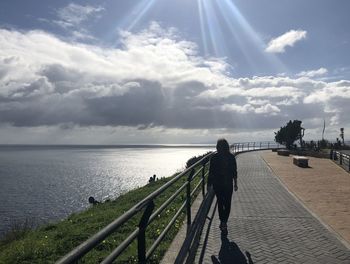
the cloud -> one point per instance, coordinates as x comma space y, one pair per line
248, 108
278, 45
155, 81
313, 73
73, 19
73, 14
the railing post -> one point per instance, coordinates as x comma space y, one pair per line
268, 145
254, 145
248, 145
203, 178
340, 158
141, 238
331, 154
188, 199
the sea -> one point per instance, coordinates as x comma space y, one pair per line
43, 184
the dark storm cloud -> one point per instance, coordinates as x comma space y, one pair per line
154, 81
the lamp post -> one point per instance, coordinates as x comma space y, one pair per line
342, 134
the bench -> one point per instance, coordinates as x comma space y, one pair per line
301, 161
283, 152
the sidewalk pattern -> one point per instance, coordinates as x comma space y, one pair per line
267, 225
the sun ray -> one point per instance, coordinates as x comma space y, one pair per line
203, 26
211, 24
131, 19
245, 49
233, 16
137, 14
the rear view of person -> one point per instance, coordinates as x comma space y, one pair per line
223, 178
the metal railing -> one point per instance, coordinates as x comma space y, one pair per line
199, 169
341, 158
247, 146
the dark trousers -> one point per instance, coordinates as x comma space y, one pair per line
224, 197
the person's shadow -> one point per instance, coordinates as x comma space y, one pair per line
230, 253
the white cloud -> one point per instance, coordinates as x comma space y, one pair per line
278, 45
313, 73
267, 109
243, 109
73, 19
156, 80
74, 14
248, 108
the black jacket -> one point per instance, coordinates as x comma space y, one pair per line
222, 170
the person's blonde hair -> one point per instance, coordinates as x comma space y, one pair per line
222, 146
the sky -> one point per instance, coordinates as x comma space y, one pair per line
164, 71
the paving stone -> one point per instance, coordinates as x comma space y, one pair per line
268, 224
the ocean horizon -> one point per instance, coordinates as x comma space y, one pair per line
46, 183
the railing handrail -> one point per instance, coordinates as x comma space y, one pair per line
90, 243
344, 159
253, 142
85, 247
341, 153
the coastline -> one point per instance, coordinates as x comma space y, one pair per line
45, 185
52, 241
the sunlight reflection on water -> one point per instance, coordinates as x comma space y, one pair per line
46, 184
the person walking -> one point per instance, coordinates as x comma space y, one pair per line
223, 179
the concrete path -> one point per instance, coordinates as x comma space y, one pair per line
267, 225
323, 187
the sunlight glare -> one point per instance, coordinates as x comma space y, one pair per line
213, 36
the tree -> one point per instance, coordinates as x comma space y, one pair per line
288, 134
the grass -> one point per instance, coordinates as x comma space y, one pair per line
48, 243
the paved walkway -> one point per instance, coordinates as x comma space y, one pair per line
267, 225
323, 187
